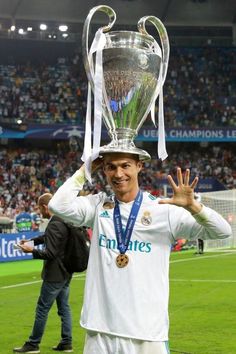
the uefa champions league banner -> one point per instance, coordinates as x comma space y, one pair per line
7, 241
65, 132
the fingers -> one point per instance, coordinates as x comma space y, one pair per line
96, 164
194, 183
183, 191
26, 249
182, 181
186, 177
23, 241
171, 182
179, 176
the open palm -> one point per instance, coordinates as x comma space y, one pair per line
183, 191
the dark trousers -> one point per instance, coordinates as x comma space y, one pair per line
48, 294
200, 245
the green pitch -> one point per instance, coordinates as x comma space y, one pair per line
202, 304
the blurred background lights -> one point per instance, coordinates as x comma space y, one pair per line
43, 27
63, 28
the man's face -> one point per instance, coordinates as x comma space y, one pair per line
121, 171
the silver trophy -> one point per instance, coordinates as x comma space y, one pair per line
134, 68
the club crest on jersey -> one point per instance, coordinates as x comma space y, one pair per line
146, 219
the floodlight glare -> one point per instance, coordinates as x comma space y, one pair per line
20, 31
64, 35
13, 28
63, 28
29, 29
43, 27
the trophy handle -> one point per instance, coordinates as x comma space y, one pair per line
163, 37
85, 46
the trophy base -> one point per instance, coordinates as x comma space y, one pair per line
124, 149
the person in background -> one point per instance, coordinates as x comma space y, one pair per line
24, 220
200, 244
126, 296
36, 218
56, 281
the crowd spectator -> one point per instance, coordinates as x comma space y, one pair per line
24, 221
36, 218
42, 93
200, 90
25, 174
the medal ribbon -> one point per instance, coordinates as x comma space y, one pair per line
123, 237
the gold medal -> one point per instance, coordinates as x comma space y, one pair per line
122, 260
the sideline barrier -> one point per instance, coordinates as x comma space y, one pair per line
7, 241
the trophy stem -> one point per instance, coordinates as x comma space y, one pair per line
123, 134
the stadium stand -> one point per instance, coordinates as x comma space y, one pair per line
200, 90
27, 173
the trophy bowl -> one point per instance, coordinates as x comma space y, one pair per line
134, 71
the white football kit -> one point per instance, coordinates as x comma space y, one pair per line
131, 302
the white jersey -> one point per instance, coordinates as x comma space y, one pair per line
131, 301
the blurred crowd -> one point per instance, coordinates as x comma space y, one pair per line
25, 174
200, 90
43, 94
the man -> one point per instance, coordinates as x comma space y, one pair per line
24, 221
36, 218
200, 243
56, 281
125, 306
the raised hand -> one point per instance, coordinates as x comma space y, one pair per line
183, 192
96, 164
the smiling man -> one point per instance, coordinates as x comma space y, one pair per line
122, 174
125, 307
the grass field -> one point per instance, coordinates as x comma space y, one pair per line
202, 304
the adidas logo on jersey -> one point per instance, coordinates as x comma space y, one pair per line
152, 197
104, 214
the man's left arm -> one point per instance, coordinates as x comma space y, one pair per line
210, 224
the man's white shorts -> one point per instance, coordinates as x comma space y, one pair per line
100, 343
